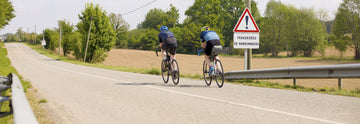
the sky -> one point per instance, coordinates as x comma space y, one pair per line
44, 14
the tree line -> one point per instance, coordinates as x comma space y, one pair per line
283, 28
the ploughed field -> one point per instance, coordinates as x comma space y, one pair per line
192, 65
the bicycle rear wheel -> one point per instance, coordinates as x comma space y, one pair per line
219, 77
176, 73
206, 75
164, 71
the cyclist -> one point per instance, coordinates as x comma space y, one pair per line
209, 39
167, 42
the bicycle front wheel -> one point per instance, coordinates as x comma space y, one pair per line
206, 75
219, 77
164, 71
176, 73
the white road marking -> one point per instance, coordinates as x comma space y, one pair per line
197, 96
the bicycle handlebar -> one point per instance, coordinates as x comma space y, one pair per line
198, 52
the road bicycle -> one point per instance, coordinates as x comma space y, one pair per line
212, 72
168, 68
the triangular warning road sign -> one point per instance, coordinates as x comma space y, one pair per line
246, 23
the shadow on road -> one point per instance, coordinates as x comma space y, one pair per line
160, 84
52, 59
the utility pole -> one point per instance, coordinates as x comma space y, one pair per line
87, 42
60, 36
248, 52
35, 35
28, 34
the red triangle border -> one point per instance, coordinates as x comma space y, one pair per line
252, 19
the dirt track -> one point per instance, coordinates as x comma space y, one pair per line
192, 64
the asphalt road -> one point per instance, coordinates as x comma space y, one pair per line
86, 95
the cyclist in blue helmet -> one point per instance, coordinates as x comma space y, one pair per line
167, 42
209, 39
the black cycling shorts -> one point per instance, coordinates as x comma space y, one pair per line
209, 46
170, 45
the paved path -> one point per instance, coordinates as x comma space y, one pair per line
86, 95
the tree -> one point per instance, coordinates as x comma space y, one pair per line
156, 18
66, 34
172, 17
347, 21
207, 13
52, 39
341, 43
102, 35
20, 34
290, 29
273, 35
7, 12
149, 40
135, 37
121, 28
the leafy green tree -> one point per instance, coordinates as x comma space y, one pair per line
10, 38
347, 21
7, 12
149, 41
66, 34
20, 35
273, 29
156, 18
287, 28
102, 36
172, 17
121, 27
341, 43
191, 38
135, 36
52, 39
77, 41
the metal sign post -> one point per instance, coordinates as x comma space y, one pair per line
246, 36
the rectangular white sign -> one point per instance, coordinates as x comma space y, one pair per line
246, 40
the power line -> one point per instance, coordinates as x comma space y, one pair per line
139, 8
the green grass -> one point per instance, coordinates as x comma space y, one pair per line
155, 71
333, 58
43, 101
5, 69
343, 92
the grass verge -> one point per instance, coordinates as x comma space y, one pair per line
5, 69
332, 91
155, 71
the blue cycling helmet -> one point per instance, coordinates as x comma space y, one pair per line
164, 28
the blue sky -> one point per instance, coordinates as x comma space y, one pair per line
45, 13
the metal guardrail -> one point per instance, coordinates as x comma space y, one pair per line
20, 106
326, 71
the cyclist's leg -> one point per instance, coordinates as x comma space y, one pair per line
207, 60
171, 47
208, 49
172, 51
218, 64
164, 49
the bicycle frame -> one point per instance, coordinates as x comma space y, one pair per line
214, 71
167, 60
212, 61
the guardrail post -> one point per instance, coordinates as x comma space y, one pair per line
340, 83
294, 81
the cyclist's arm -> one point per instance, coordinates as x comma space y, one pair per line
203, 44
